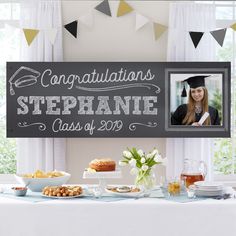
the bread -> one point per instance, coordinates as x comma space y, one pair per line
102, 165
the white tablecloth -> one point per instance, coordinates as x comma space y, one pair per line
121, 218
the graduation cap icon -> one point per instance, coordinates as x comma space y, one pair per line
194, 82
23, 77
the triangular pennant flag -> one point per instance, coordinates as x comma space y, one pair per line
140, 21
196, 37
104, 8
72, 28
30, 35
219, 36
159, 29
87, 19
124, 8
51, 34
233, 26
11, 31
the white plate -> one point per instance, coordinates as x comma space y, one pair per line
68, 197
208, 185
208, 194
116, 174
210, 189
129, 194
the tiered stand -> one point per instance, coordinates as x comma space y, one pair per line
102, 177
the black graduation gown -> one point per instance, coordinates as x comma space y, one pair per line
178, 116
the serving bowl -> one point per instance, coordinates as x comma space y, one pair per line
19, 191
37, 184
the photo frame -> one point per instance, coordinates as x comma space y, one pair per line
221, 88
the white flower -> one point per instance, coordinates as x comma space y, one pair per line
127, 154
140, 152
164, 161
132, 162
149, 155
133, 171
144, 167
154, 152
143, 160
158, 158
122, 163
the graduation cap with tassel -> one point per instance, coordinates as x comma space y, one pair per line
194, 82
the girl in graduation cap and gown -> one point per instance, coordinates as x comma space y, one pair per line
191, 113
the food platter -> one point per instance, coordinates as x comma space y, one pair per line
67, 197
113, 191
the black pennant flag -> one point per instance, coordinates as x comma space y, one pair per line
219, 35
72, 28
104, 8
196, 37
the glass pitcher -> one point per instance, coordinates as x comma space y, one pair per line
193, 171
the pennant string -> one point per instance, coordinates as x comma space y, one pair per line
123, 9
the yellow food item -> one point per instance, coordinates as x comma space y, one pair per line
62, 191
90, 170
42, 174
174, 188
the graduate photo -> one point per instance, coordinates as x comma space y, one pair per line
196, 99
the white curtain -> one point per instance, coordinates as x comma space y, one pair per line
41, 153
184, 17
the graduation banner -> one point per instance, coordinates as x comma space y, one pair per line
118, 99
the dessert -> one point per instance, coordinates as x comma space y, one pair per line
62, 191
102, 165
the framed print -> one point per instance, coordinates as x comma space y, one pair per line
198, 100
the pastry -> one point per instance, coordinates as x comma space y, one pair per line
102, 165
62, 191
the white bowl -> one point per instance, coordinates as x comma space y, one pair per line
37, 184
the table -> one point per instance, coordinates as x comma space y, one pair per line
129, 217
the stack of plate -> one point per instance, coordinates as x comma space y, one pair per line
208, 189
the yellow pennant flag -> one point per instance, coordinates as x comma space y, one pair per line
159, 30
233, 26
30, 34
124, 8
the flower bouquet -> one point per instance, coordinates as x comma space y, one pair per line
142, 165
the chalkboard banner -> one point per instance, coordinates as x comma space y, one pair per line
118, 99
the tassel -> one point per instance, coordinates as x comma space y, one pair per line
184, 93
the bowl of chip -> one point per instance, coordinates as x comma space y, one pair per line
40, 179
19, 191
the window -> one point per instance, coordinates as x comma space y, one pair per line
9, 50
224, 162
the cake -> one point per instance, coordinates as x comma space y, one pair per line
102, 165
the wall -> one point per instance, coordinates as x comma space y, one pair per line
112, 39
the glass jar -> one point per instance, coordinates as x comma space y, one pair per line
145, 180
193, 171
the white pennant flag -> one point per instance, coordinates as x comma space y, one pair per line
51, 34
11, 31
87, 19
140, 21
